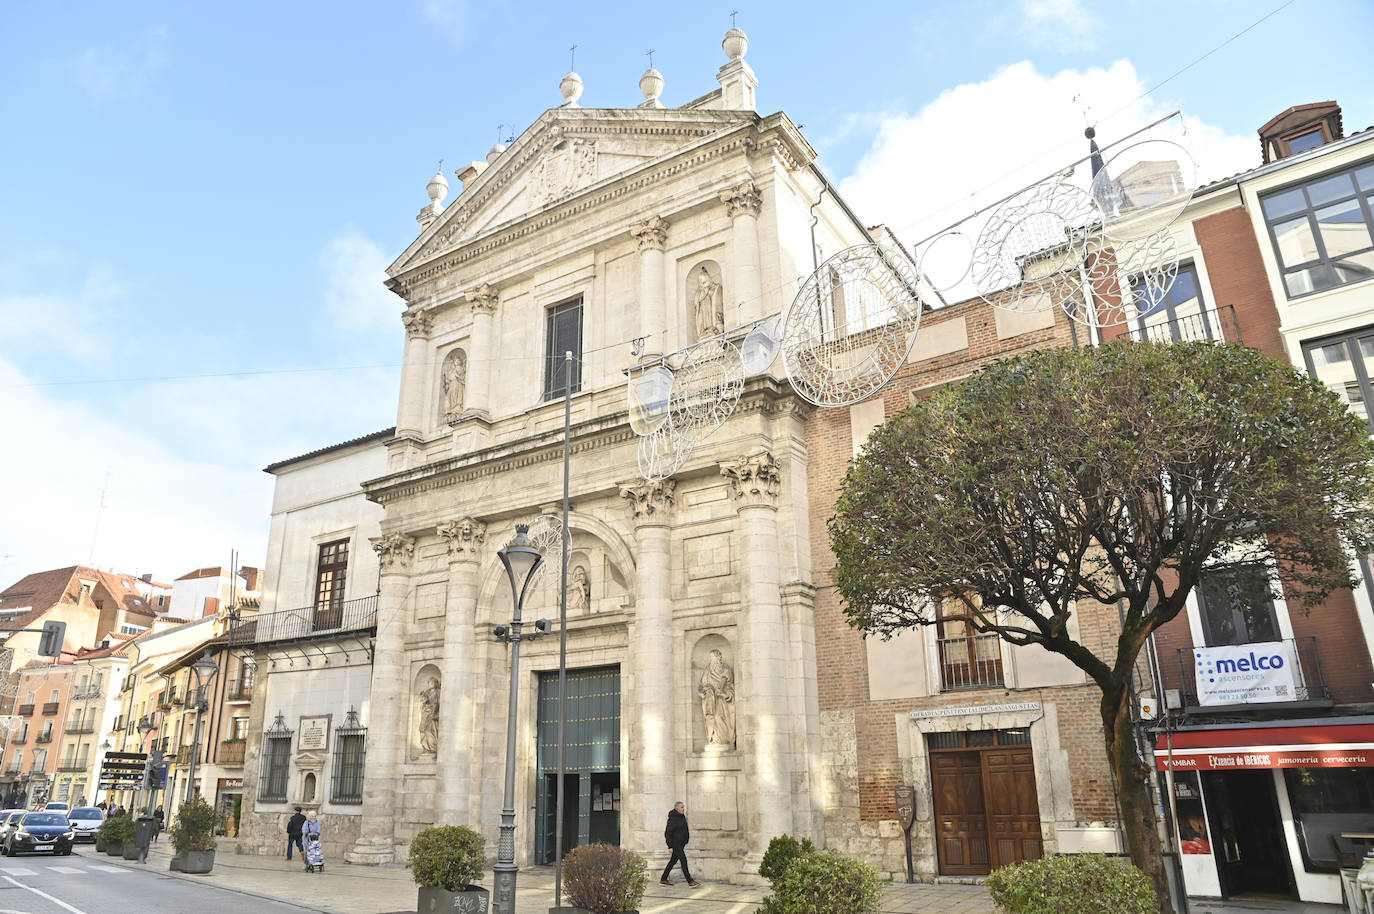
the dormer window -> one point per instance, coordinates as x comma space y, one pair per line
1300, 129
1310, 139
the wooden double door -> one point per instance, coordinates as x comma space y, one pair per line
987, 812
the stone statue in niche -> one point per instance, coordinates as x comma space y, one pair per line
717, 693
455, 381
579, 591
707, 308
429, 718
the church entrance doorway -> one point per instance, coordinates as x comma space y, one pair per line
591, 760
987, 813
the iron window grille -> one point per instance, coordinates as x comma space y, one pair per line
350, 752
1322, 230
276, 762
564, 334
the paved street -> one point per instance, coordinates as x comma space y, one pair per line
87, 883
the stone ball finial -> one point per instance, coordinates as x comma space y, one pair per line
495, 150
437, 188
651, 84
735, 44
571, 87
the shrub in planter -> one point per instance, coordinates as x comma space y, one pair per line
193, 836
782, 850
113, 833
1073, 884
819, 882
445, 862
604, 879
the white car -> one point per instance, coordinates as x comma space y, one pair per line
85, 820
55, 807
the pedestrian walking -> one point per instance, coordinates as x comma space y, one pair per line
293, 833
158, 818
314, 850
677, 835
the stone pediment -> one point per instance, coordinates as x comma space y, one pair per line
562, 154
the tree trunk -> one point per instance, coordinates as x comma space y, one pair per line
1133, 793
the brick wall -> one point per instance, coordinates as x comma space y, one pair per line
1237, 276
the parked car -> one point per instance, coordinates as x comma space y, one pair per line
59, 807
85, 820
5, 816
40, 833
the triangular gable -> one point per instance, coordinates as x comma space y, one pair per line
562, 154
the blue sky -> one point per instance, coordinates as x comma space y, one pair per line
204, 189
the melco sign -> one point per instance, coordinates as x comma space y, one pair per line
1245, 673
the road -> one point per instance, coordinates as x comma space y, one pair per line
85, 884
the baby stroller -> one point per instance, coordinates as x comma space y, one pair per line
314, 854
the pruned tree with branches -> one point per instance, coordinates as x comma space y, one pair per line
1107, 475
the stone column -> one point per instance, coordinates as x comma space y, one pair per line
387, 706
652, 236
654, 762
410, 413
743, 202
483, 302
755, 480
465, 539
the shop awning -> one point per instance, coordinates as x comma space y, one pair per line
1310, 745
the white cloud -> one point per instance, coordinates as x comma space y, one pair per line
980, 141
1064, 25
354, 270
109, 74
451, 16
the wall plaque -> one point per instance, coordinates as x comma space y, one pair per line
314, 733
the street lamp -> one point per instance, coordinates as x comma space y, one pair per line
145, 726
205, 669
522, 560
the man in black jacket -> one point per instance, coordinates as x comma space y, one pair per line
293, 833
677, 835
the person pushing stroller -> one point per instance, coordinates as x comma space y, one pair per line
314, 850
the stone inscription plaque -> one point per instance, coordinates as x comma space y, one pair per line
314, 734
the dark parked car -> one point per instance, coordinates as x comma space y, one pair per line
40, 833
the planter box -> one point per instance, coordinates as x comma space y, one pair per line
441, 901
114, 848
99, 845
569, 909
131, 851
195, 862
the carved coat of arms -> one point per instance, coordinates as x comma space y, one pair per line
567, 166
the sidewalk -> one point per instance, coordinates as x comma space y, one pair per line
346, 889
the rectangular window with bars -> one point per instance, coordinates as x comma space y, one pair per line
350, 752
276, 768
564, 335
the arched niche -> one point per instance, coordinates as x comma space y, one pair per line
426, 695
706, 689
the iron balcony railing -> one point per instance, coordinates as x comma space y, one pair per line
970, 662
239, 691
26, 710
1215, 324
231, 753
44, 738
184, 755
72, 764
1309, 679
308, 622
51, 707
20, 740
93, 690
76, 728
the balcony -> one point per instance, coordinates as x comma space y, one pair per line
20, 740
1217, 324
67, 764
184, 755
50, 708
309, 622
970, 662
93, 690
231, 752
1308, 688
239, 691
43, 738
26, 710
79, 728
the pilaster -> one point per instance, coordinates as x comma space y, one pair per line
653, 728
473, 427
410, 421
386, 719
743, 202
465, 538
651, 236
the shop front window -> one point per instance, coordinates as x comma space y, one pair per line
1328, 802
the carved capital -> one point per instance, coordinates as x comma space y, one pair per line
742, 199
394, 549
484, 298
651, 502
418, 323
651, 233
465, 536
756, 479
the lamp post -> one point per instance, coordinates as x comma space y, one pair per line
105, 747
522, 560
205, 669
145, 726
